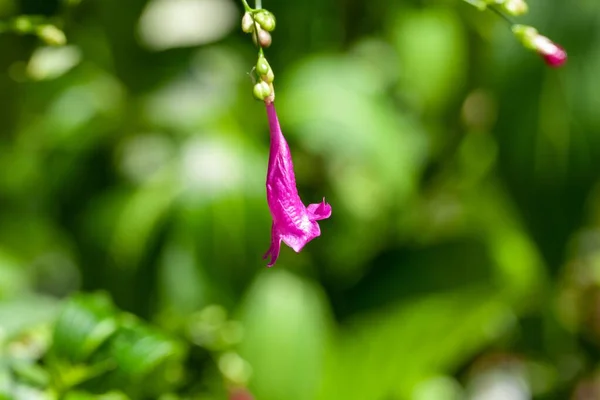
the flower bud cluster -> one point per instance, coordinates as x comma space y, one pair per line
263, 89
259, 23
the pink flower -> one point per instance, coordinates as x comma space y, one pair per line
293, 223
553, 54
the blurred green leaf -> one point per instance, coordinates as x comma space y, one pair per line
13, 277
84, 324
32, 374
431, 43
140, 215
389, 352
98, 347
6, 383
286, 334
146, 362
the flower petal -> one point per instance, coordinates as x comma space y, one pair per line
319, 211
275, 246
297, 238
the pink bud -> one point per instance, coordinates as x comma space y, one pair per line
553, 54
557, 58
264, 38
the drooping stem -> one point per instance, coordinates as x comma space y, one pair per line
501, 14
246, 6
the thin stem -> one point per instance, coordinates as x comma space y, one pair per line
246, 6
258, 4
501, 15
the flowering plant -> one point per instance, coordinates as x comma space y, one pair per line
293, 222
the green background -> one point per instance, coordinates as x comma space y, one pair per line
462, 258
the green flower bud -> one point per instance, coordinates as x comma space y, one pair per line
515, 7
261, 90
51, 35
526, 35
247, 23
269, 77
262, 66
265, 19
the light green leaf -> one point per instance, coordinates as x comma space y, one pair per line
85, 322
433, 53
389, 352
147, 362
286, 332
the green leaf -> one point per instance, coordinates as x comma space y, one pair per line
6, 382
140, 216
147, 362
389, 352
84, 324
13, 277
285, 322
31, 373
433, 51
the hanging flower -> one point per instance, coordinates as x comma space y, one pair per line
293, 223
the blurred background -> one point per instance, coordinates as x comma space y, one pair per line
462, 259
